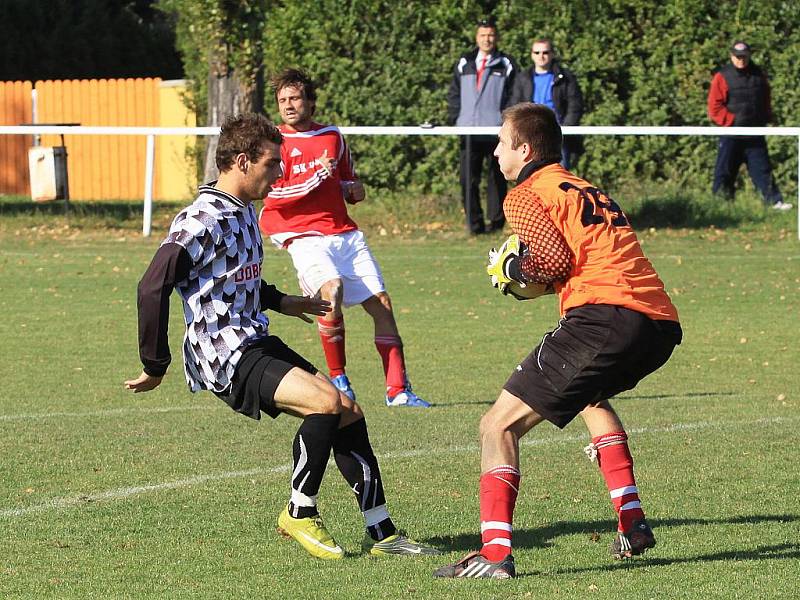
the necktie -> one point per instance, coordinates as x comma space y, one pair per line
481, 69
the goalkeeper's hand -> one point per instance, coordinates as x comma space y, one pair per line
501, 260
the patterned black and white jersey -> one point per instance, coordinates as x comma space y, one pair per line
221, 295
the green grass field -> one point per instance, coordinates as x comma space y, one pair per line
172, 495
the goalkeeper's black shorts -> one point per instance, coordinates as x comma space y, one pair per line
596, 352
259, 371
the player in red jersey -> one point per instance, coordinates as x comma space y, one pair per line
617, 326
306, 213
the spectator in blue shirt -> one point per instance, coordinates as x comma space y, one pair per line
548, 83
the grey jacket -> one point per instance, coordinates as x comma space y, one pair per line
469, 105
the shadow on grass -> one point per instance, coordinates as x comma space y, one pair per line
464, 403
669, 396
694, 211
115, 209
125, 214
772, 552
541, 537
616, 399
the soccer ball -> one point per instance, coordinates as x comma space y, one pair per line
528, 291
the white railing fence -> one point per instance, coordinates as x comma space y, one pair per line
151, 132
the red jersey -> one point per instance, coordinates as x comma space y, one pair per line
306, 200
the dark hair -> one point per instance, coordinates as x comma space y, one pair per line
536, 125
245, 133
295, 78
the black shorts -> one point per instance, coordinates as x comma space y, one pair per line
596, 352
260, 369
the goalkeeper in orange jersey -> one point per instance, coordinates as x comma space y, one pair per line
617, 326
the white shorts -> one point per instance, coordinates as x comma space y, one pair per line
345, 256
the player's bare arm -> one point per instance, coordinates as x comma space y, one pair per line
302, 306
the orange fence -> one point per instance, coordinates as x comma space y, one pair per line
15, 109
100, 166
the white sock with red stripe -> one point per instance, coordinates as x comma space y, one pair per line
498, 494
616, 464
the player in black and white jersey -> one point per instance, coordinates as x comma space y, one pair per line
212, 257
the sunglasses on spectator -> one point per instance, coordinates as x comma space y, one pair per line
541, 52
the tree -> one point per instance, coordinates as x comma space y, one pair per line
82, 39
224, 39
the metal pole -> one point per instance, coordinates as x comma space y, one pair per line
148, 184
37, 139
468, 178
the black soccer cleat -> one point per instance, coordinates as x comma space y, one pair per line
476, 566
634, 541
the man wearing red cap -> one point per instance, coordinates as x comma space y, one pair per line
740, 97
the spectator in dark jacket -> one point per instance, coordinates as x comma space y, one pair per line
548, 83
740, 97
479, 92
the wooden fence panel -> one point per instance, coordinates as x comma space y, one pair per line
101, 166
15, 109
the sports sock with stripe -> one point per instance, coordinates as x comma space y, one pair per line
331, 333
359, 466
390, 347
498, 495
616, 464
310, 452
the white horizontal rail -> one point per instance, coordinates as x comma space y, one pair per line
149, 132
407, 130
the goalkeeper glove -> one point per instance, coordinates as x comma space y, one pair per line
504, 261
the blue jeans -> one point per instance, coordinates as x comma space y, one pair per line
733, 151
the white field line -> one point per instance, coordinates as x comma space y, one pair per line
133, 410
107, 412
123, 493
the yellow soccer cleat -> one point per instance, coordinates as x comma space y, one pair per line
398, 543
311, 534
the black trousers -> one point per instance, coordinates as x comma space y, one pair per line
482, 150
733, 151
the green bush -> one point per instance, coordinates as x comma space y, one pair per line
639, 62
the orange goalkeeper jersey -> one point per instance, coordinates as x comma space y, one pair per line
608, 265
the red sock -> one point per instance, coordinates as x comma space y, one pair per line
499, 488
390, 347
332, 335
616, 465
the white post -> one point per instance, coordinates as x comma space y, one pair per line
37, 139
148, 184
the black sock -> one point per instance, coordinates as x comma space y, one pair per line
358, 465
310, 451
